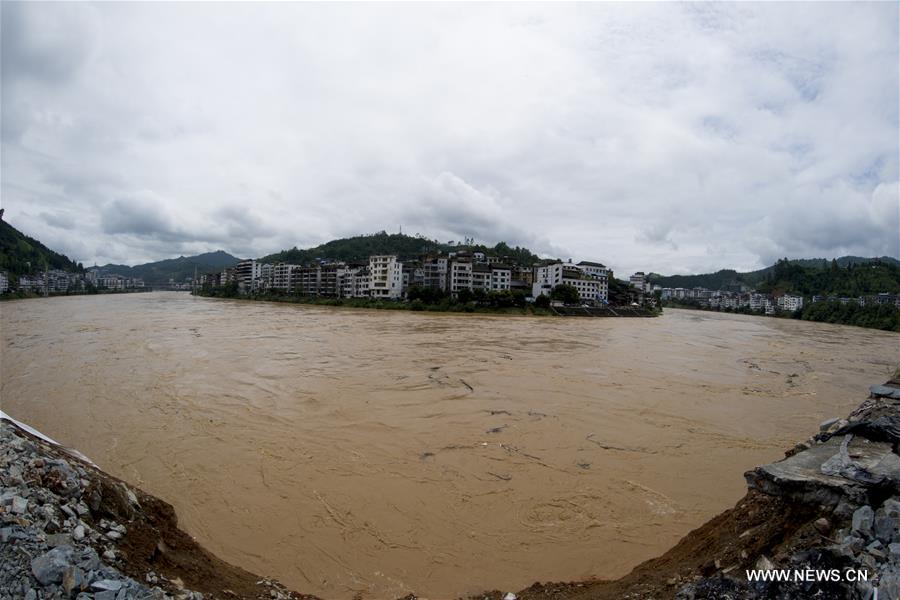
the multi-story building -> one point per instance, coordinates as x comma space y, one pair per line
329, 280
356, 282
501, 277
599, 272
638, 280
281, 276
305, 281
547, 277
386, 277
460, 276
4, 283
481, 277
247, 273
434, 272
790, 303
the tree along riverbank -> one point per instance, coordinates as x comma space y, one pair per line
883, 316
21, 295
495, 303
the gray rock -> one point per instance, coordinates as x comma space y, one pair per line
51, 566
851, 546
842, 467
105, 595
884, 391
824, 425
74, 580
106, 584
889, 584
894, 549
59, 539
891, 507
886, 527
19, 505
31, 594
863, 519
78, 533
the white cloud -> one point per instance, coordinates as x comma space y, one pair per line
674, 137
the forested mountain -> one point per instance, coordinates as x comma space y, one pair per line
360, 248
839, 276
21, 254
856, 279
177, 269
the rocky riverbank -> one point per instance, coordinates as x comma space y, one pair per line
831, 505
68, 530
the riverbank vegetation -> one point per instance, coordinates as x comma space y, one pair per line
879, 316
418, 299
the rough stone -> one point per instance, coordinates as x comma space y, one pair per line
73, 579
19, 505
842, 467
863, 519
891, 507
51, 566
886, 527
824, 425
106, 584
851, 545
822, 525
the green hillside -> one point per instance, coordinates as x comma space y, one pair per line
178, 269
842, 282
831, 279
360, 248
21, 254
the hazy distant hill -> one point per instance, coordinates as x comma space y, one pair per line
20, 254
359, 248
847, 275
178, 269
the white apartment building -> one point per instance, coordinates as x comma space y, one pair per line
638, 280
4, 283
547, 277
281, 276
501, 278
386, 277
460, 276
599, 272
434, 273
360, 282
247, 273
790, 302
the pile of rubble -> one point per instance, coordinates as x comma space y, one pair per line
69, 530
849, 473
51, 544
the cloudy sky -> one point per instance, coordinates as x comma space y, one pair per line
676, 138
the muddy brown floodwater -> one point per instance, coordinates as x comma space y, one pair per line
380, 452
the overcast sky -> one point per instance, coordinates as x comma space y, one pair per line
676, 138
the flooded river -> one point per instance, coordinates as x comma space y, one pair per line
380, 452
